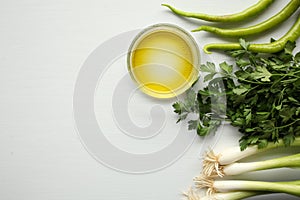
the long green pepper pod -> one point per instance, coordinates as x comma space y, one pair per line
243, 15
273, 47
278, 18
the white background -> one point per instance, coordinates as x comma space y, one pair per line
43, 44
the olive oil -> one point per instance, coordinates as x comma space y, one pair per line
164, 60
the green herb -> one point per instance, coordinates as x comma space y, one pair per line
261, 98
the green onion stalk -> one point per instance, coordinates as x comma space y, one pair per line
191, 194
292, 161
291, 187
214, 164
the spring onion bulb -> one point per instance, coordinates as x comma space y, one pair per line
292, 187
212, 163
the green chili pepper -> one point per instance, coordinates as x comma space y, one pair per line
249, 12
273, 47
283, 15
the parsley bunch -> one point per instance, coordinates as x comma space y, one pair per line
261, 97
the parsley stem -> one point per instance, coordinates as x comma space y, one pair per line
257, 82
241, 79
279, 127
285, 75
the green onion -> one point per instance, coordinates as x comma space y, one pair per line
217, 165
292, 187
292, 161
213, 163
231, 195
192, 195
240, 168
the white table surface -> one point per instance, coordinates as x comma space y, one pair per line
43, 44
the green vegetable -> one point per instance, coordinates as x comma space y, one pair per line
192, 195
249, 12
272, 47
231, 195
283, 15
225, 164
291, 187
215, 164
240, 168
261, 98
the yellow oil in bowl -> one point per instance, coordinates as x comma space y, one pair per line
164, 60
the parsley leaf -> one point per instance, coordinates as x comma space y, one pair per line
261, 97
